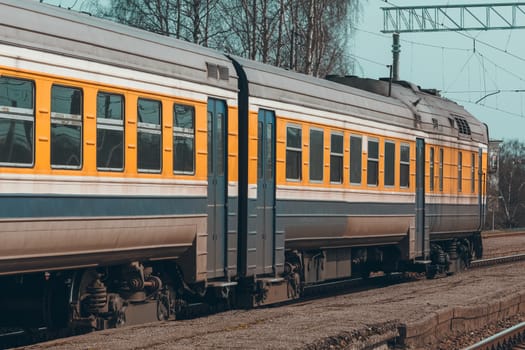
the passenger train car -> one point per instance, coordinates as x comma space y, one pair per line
140, 174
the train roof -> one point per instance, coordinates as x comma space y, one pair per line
69, 33
408, 106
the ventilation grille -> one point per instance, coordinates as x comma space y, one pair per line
463, 126
218, 72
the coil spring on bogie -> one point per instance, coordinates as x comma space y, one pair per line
442, 257
97, 300
453, 249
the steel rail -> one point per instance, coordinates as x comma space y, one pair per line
506, 339
496, 261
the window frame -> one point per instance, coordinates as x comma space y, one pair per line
460, 171
187, 133
473, 173
337, 156
297, 150
153, 129
59, 118
113, 124
441, 168
356, 163
431, 169
321, 180
404, 164
392, 164
21, 114
374, 161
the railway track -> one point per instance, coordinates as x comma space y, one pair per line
499, 234
512, 338
497, 261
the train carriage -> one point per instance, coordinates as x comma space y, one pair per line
140, 174
349, 170
114, 148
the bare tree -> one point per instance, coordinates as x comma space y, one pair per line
309, 36
190, 20
512, 184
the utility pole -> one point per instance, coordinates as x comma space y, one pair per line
396, 49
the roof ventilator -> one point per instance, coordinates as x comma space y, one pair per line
463, 126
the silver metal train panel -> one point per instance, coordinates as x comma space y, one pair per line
58, 222
45, 244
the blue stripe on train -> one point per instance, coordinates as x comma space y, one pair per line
27, 206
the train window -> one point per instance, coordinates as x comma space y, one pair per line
316, 154
110, 132
17, 122
293, 153
431, 173
336, 158
460, 171
356, 151
404, 166
473, 173
441, 169
373, 163
149, 136
183, 139
390, 161
66, 127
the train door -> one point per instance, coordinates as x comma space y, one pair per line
217, 187
422, 235
265, 191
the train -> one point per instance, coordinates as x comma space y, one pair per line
141, 174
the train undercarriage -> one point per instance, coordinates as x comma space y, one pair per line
99, 298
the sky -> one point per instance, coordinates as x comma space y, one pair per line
464, 66
448, 62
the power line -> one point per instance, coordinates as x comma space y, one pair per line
502, 68
368, 60
461, 70
490, 107
411, 42
481, 91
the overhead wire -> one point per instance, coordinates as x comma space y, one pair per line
461, 70
492, 108
385, 36
367, 60
480, 91
70, 7
503, 68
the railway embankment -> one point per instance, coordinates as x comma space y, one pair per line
459, 320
